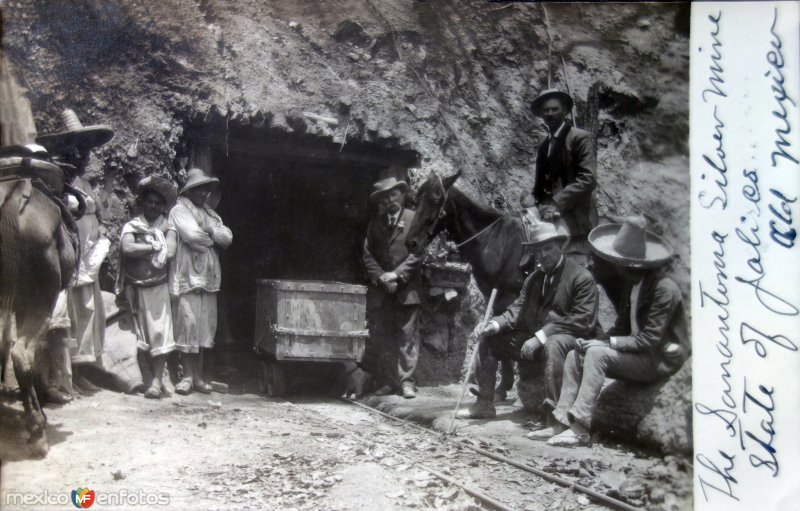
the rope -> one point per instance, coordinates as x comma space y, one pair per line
550, 46
480, 232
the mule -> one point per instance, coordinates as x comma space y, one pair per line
38, 259
490, 240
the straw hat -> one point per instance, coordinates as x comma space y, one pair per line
160, 186
544, 232
196, 177
629, 244
76, 134
386, 186
537, 103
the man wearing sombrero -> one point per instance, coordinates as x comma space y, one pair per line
393, 294
558, 303
648, 342
147, 242
72, 149
195, 276
565, 171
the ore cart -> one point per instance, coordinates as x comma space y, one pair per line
306, 321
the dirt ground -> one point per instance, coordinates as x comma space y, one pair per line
244, 451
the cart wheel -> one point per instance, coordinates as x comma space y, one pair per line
275, 380
263, 377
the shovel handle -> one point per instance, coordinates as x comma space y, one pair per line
486, 317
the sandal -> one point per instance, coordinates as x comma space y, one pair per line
203, 387
154, 392
184, 388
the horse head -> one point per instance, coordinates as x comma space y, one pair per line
431, 200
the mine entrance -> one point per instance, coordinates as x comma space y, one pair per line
298, 206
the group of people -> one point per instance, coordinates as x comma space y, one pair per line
555, 317
169, 273
169, 277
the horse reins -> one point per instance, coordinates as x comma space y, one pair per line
441, 214
459, 245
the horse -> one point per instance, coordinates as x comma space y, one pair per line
38, 258
489, 239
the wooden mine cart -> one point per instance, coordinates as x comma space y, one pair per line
306, 321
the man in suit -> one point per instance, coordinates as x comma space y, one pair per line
565, 171
393, 295
648, 342
558, 303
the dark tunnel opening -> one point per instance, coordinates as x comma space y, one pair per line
298, 207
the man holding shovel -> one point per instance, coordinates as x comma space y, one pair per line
558, 303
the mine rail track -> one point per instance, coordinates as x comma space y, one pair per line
485, 499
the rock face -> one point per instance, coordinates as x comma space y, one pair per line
446, 82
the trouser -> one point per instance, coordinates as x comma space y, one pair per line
508, 346
584, 376
394, 342
88, 317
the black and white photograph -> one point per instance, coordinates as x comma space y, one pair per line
397, 254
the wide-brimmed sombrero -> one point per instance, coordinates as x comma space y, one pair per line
544, 232
76, 134
159, 185
386, 186
196, 177
537, 103
629, 244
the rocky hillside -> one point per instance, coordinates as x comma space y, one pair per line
450, 80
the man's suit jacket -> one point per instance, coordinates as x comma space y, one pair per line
661, 320
569, 307
568, 178
385, 251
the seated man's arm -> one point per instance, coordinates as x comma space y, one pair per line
509, 319
581, 318
666, 298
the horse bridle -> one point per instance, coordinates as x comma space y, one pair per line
441, 214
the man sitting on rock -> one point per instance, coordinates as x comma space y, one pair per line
648, 342
558, 303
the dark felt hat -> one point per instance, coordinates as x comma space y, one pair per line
75, 134
160, 186
385, 186
629, 244
537, 103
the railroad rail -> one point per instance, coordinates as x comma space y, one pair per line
485, 499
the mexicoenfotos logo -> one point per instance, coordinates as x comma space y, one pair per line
83, 498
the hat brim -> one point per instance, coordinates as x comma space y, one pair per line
536, 243
88, 136
657, 251
204, 182
162, 187
400, 184
536, 104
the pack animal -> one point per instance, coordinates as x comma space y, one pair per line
489, 239
37, 259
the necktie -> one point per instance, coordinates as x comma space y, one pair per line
548, 280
